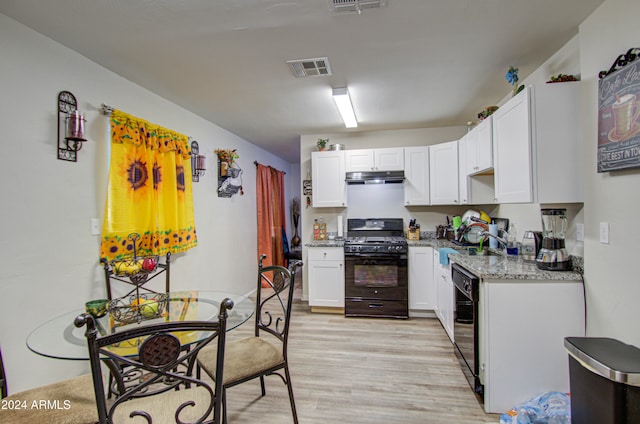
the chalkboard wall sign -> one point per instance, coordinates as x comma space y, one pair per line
619, 113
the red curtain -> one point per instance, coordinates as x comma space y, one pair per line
271, 214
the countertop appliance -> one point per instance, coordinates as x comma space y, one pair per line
531, 245
465, 325
553, 255
376, 270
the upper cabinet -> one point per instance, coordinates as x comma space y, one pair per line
536, 141
361, 160
416, 176
443, 173
464, 195
479, 148
329, 188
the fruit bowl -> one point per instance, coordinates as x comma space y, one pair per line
137, 269
138, 308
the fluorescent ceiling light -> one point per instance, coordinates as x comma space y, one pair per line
343, 101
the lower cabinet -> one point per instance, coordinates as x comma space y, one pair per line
326, 277
422, 292
522, 326
445, 301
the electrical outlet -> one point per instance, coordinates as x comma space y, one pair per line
604, 232
95, 227
579, 232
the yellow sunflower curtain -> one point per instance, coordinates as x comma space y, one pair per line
149, 191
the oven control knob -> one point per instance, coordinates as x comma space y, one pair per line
376, 248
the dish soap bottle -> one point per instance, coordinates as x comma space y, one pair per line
512, 240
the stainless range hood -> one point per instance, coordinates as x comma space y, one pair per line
375, 177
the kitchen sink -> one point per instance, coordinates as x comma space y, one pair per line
471, 251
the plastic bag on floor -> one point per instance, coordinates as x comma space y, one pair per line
548, 408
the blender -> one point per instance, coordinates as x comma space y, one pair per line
553, 255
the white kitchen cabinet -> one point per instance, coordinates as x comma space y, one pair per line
326, 277
443, 173
537, 146
521, 343
445, 301
416, 174
391, 159
479, 148
422, 292
329, 188
464, 194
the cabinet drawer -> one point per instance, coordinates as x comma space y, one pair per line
395, 293
326, 254
375, 308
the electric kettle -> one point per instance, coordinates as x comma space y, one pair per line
530, 246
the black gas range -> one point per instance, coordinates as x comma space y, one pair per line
376, 279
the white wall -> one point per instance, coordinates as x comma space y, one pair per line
48, 259
613, 285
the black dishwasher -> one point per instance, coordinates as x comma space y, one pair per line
465, 325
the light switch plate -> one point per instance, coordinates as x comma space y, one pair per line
579, 232
604, 232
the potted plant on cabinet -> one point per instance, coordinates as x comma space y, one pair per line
322, 143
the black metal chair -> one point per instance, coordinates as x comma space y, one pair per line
153, 371
3, 379
266, 352
70, 401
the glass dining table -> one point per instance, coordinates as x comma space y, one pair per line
59, 338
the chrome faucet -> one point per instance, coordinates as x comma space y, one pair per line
499, 239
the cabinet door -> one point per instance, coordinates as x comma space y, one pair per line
360, 160
391, 159
416, 174
512, 151
328, 181
326, 283
463, 178
437, 276
421, 286
443, 173
480, 147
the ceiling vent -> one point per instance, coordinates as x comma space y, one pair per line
349, 6
318, 66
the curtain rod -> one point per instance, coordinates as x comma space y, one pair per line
255, 162
107, 110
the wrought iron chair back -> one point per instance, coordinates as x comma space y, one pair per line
274, 299
3, 379
156, 366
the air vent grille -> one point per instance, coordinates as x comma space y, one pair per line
349, 6
310, 67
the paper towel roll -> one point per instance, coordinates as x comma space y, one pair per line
340, 232
493, 230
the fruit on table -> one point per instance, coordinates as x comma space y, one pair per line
148, 264
128, 267
148, 308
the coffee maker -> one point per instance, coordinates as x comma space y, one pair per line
553, 255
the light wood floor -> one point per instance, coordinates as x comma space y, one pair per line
352, 370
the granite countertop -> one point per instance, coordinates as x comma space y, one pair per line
325, 243
503, 267
500, 266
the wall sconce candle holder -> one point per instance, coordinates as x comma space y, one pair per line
69, 145
198, 162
